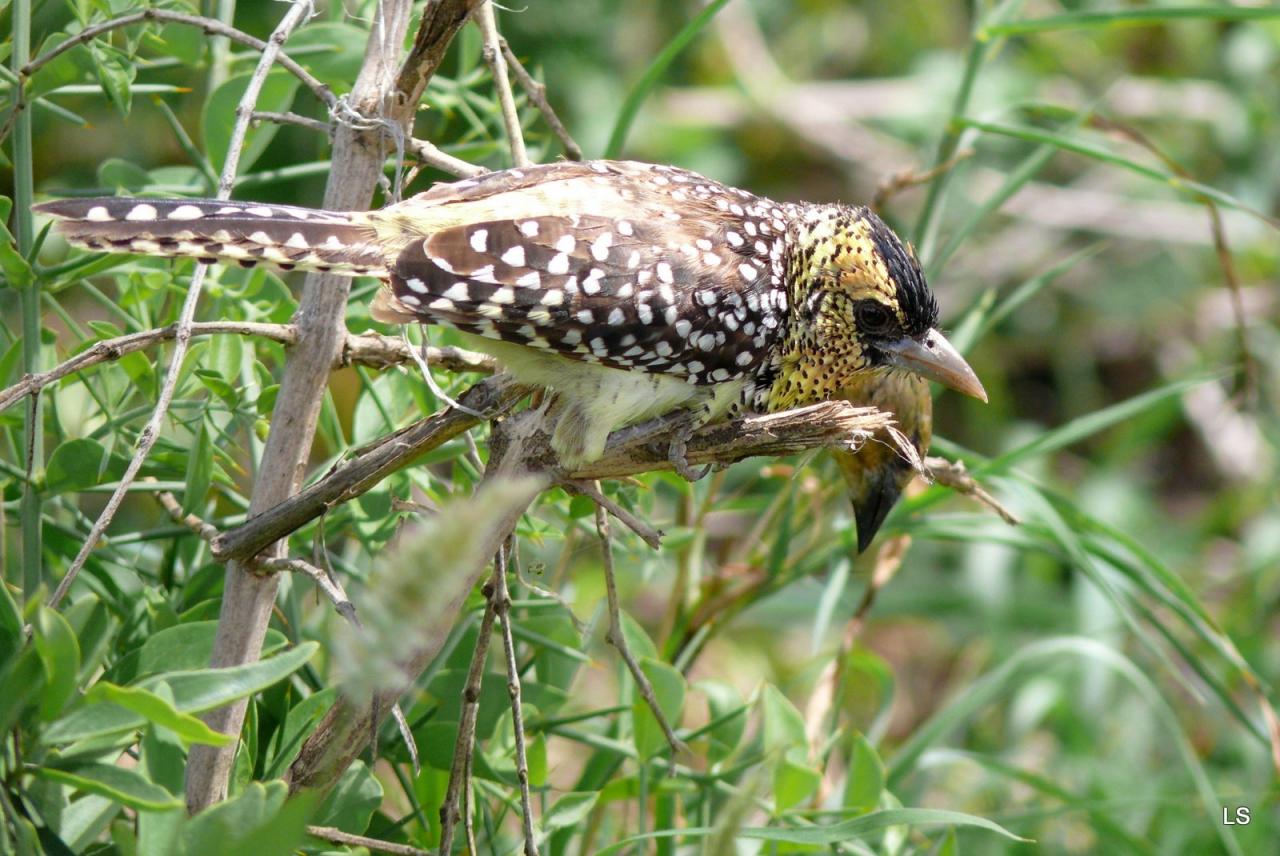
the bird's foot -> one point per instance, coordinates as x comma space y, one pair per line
676, 452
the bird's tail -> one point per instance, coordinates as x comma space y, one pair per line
216, 230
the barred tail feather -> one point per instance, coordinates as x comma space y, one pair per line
211, 230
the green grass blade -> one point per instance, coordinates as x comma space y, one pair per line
639, 92
1126, 18
1177, 183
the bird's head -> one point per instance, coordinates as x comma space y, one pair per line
855, 283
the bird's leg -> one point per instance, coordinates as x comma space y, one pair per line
691, 420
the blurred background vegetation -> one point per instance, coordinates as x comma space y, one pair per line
1098, 679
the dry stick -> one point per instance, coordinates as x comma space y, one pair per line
494, 58
537, 93
464, 745
210, 26
591, 490
319, 125
182, 335
248, 599
343, 732
441, 20
953, 474
337, 836
371, 349
432, 156
493, 397
615, 637
909, 178
502, 606
771, 435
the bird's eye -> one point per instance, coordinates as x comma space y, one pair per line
874, 317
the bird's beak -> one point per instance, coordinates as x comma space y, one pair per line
935, 358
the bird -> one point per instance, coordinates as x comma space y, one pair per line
631, 290
876, 473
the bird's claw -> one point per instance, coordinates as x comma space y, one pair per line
676, 455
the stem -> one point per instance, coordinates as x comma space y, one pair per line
24, 233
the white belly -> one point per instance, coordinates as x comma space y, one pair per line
596, 400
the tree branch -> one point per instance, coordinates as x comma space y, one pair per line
247, 601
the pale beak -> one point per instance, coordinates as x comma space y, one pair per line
934, 358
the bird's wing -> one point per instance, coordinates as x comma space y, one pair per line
655, 295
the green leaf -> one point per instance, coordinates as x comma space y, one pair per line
352, 802
728, 718
155, 709
258, 820
794, 779
199, 471
17, 271
669, 689
219, 113
637, 640
182, 647
75, 465
827, 835
864, 826
866, 776
333, 52
127, 787
59, 651
783, 723
569, 811
121, 175
193, 692
163, 758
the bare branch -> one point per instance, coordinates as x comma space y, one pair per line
618, 640
770, 435
248, 599
293, 119
537, 93
337, 836
953, 474
173, 508
492, 397
432, 156
591, 490
497, 63
441, 20
211, 26
464, 745
502, 606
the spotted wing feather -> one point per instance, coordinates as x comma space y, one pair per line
615, 292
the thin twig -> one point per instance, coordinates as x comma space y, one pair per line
298, 10
493, 57
332, 589
953, 474
909, 178
337, 836
591, 490
614, 636
293, 119
198, 525
429, 154
537, 93
210, 26
502, 606
464, 745
372, 349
